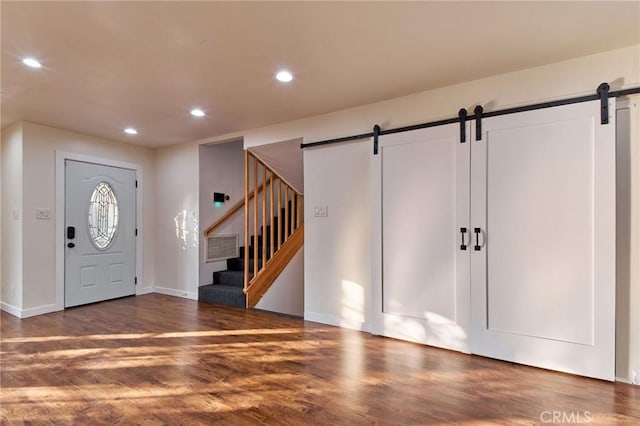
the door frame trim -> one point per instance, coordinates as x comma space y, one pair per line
60, 158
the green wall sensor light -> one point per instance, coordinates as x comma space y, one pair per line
219, 198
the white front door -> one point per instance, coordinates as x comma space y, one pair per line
543, 277
100, 232
423, 286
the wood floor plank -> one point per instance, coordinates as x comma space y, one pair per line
160, 360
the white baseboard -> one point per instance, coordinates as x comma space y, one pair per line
176, 293
10, 309
40, 310
47, 309
30, 312
338, 322
321, 318
627, 380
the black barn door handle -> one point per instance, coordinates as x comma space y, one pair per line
463, 231
477, 231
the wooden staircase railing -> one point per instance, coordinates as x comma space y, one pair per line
277, 213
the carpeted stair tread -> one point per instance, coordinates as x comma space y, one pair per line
223, 294
231, 278
237, 264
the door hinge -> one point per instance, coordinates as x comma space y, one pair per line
135, 281
136, 232
136, 183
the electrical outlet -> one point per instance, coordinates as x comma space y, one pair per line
320, 211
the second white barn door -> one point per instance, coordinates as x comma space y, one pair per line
543, 199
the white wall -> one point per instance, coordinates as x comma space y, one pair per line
338, 247
286, 294
12, 183
1, 215
221, 170
628, 238
176, 221
634, 254
335, 175
40, 144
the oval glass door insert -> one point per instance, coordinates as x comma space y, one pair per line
103, 215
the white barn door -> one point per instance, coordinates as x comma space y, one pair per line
543, 200
421, 184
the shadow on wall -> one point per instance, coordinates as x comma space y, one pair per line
186, 229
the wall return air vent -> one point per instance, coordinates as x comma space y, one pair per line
221, 247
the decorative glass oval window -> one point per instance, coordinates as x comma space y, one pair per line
103, 215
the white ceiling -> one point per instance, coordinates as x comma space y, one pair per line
108, 65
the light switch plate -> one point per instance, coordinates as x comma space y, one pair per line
320, 211
43, 213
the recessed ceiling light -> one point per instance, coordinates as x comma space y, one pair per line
30, 62
197, 112
130, 131
284, 76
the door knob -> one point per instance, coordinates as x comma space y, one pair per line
71, 245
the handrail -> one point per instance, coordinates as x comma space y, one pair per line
227, 215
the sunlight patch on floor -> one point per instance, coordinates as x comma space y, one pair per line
176, 334
105, 358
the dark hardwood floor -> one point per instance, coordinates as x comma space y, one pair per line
156, 359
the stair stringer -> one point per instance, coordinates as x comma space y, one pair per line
261, 282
